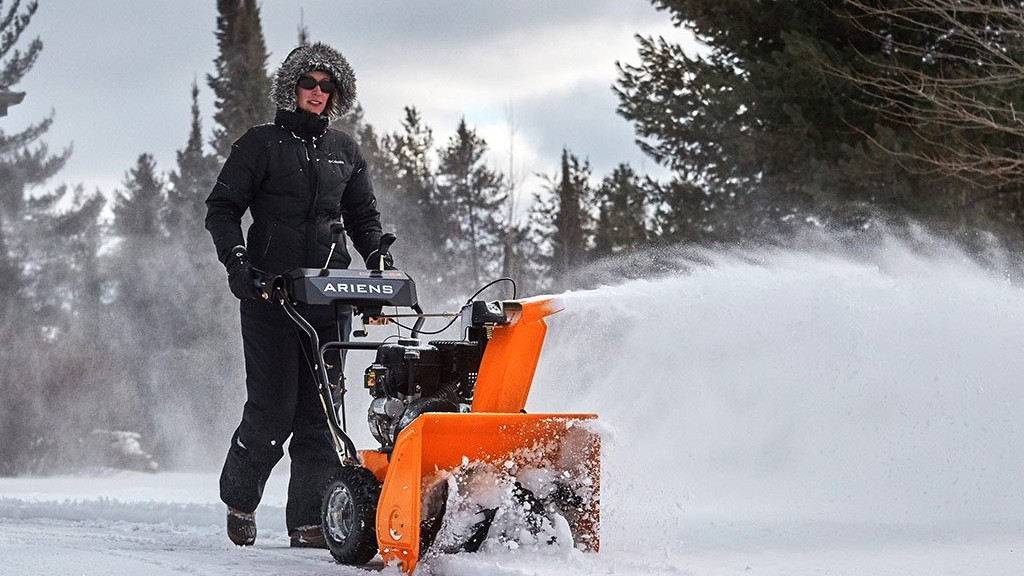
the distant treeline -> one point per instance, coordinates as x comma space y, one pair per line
841, 115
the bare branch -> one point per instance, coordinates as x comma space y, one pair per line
951, 71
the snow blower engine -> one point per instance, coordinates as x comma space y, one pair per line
460, 462
409, 378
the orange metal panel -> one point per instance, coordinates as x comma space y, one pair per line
510, 359
376, 462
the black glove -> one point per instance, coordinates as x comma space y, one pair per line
240, 275
373, 261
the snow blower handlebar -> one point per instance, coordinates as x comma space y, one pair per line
366, 291
337, 427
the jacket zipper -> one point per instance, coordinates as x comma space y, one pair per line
314, 184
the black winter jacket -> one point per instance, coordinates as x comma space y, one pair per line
296, 177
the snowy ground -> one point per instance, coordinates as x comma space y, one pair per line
789, 414
171, 524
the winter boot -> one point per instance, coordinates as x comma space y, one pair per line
310, 536
241, 527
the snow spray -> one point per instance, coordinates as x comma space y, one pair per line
880, 388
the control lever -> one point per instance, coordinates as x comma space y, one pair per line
384, 248
336, 229
368, 316
371, 315
360, 332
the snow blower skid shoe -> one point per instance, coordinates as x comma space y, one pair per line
459, 464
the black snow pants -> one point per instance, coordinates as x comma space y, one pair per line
281, 402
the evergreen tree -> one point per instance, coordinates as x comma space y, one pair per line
10, 275
470, 197
573, 222
138, 206
370, 144
14, 63
413, 171
193, 264
536, 248
622, 212
407, 193
681, 210
81, 240
558, 236
186, 350
142, 263
66, 278
379, 162
303, 30
72, 286
24, 160
51, 279
240, 85
190, 184
760, 123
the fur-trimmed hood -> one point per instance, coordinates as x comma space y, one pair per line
311, 57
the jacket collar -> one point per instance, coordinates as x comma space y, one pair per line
305, 125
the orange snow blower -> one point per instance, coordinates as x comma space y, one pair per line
460, 462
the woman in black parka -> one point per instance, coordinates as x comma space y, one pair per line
295, 177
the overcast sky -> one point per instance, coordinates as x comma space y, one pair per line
117, 74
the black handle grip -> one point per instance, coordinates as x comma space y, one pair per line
336, 229
385, 243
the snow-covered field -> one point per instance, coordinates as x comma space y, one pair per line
789, 413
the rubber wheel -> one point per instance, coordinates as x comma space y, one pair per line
349, 515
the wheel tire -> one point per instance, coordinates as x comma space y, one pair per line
349, 515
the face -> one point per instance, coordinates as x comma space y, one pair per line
314, 99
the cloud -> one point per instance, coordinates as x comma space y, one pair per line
546, 62
118, 73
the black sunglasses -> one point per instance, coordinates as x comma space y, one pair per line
308, 83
